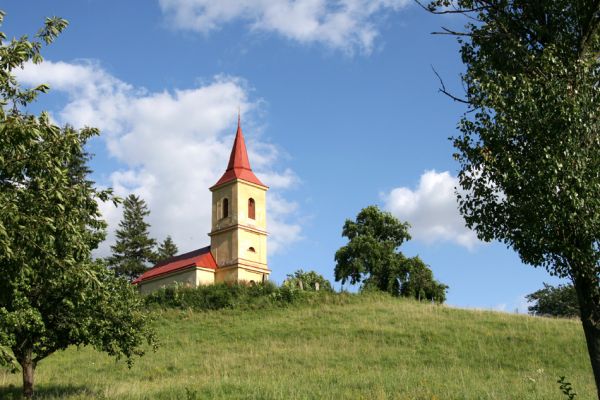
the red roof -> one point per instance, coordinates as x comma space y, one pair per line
239, 165
202, 258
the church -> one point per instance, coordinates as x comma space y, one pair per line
238, 236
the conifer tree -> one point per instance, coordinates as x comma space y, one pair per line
134, 249
166, 249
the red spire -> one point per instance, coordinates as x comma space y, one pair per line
239, 165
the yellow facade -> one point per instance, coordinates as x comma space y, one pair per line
238, 241
192, 277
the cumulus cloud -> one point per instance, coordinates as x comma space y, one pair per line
342, 24
171, 147
432, 210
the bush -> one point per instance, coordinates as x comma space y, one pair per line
228, 296
308, 281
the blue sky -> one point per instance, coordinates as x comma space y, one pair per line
340, 109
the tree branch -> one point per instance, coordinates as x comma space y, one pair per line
444, 91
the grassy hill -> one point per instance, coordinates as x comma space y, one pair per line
350, 347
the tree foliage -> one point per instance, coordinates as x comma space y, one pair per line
52, 294
307, 280
372, 257
166, 249
557, 301
134, 249
529, 144
418, 282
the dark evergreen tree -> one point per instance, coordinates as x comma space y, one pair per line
134, 249
166, 249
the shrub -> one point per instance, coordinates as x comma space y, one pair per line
227, 296
308, 281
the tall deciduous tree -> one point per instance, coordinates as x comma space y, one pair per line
166, 249
529, 145
134, 249
52, 294
372, 257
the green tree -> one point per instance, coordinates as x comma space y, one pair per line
134, 249
308, 280
372, 257
166, 249
558, 301
418, 282
529, 143
52, 294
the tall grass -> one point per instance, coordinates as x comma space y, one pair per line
332, 347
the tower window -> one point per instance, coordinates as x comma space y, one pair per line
251, 208
251, 250
225, 207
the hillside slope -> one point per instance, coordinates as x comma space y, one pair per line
371, 347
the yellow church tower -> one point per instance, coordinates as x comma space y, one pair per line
238, 237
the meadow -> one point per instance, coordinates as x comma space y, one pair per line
340, 347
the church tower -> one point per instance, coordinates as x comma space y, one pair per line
238, 237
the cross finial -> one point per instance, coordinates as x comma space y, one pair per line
239, 113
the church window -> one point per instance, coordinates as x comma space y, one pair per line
225, 207
251, 208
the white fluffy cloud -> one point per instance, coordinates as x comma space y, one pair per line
342, 24
172, 147
432, 210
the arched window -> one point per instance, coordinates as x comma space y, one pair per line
251, 250
225, 207
251, 209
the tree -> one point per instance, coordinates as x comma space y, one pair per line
166, 249
52, 294
372, 257
134, 249
418, 283
558, 301
308, 281
529, 143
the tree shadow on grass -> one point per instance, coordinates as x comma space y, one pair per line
49, 392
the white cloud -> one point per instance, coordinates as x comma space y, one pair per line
342, 24
172, 147
432, 210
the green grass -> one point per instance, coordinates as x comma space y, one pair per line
349, 347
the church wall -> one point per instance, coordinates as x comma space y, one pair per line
255, 240
223, 247
226, 275
245, 192
204, 277
247, 238
228, 191
187, 278
249, 276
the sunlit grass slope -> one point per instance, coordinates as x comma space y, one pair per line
349, 347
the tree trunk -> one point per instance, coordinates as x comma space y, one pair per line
588, 295
28, 367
